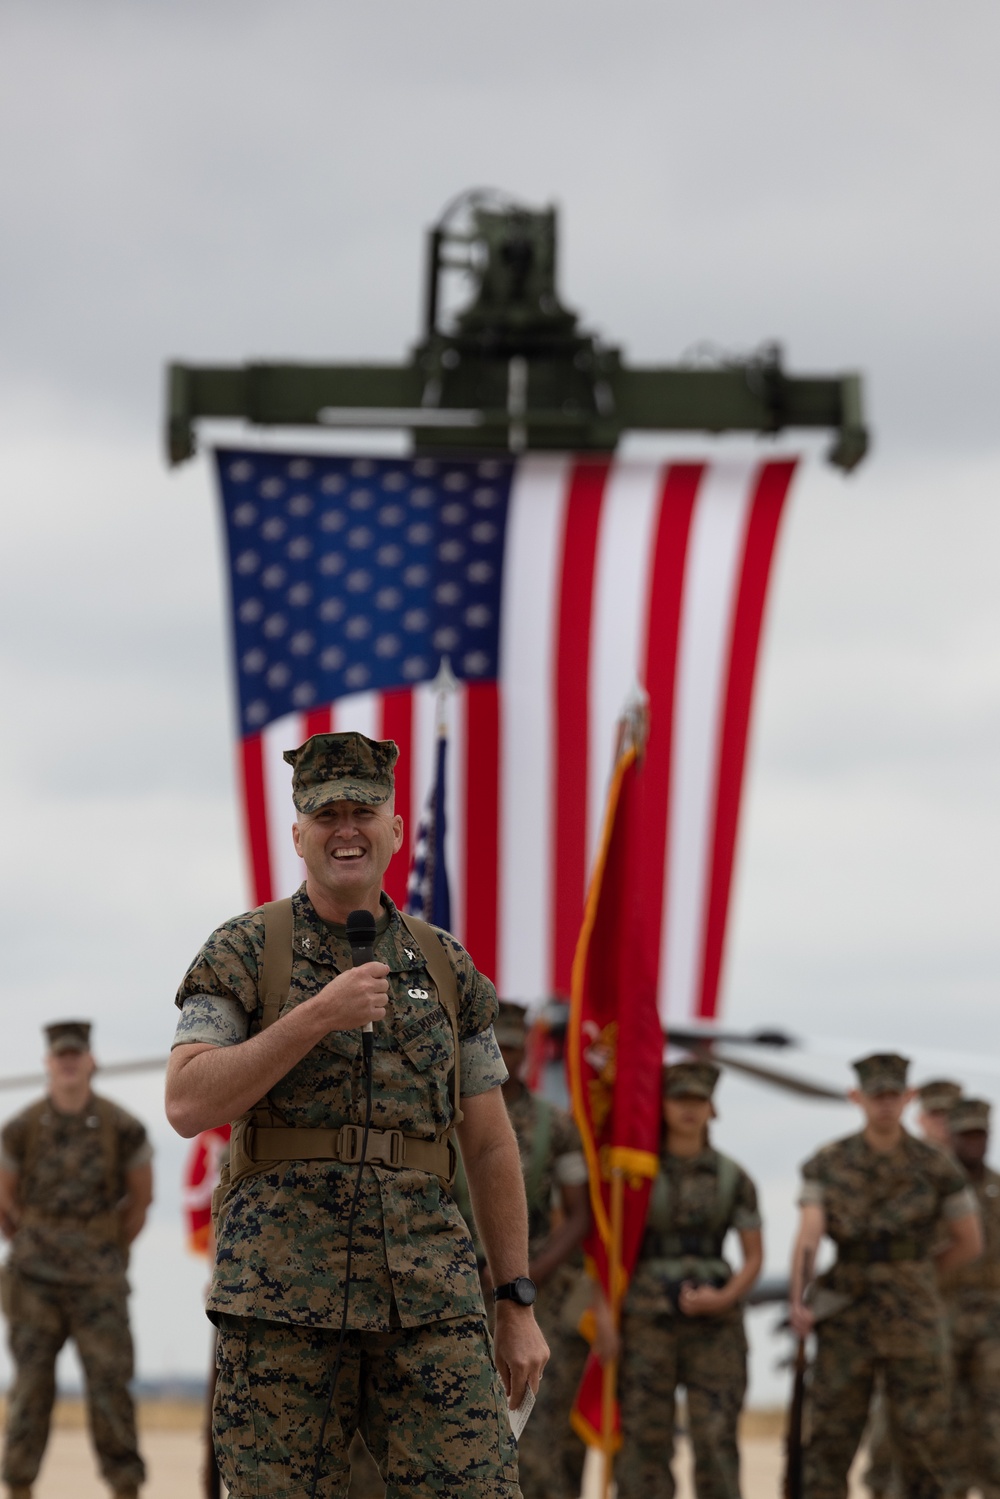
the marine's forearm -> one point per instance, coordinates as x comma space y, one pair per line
496, 1187
212, 1085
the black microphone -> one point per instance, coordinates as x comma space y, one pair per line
361, 936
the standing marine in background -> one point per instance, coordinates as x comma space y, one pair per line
972, 1302
885, 1199
75, 1183
550, 1454
682, 1320
934, 1100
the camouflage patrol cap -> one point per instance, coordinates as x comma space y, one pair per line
690, 1080
883, 1072
341, 768
511, 1025
968, 1114
937, 1096
68, 1035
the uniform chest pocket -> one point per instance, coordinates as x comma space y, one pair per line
427, 1039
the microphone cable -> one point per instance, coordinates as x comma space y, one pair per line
367, 1040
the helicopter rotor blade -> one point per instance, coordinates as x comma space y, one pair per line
802, 1087
690, 1036
109, 1069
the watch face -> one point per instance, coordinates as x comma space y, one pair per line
523, 1291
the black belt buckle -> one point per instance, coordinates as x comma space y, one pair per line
385, 1145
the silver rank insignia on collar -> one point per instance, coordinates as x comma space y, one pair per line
307, 943
410, 954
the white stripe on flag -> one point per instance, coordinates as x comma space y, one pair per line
287, 869
358, 714
535, 522
620, 619
715, 551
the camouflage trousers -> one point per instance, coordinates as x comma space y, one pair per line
550, 1454
882, 1473
427, 1401
708, 1356
974, 1327
916, 1388
42, 1316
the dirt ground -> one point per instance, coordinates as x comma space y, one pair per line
171, 1444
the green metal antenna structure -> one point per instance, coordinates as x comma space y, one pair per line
512, 369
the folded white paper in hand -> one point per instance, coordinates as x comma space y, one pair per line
519, 1417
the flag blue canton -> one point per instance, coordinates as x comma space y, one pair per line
354, 575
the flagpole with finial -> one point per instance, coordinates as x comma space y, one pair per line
444, 686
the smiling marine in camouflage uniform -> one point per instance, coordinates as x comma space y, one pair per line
417, 1377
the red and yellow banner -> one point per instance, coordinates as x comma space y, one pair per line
615, 1055
200, 1181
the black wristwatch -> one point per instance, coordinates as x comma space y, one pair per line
522, 1290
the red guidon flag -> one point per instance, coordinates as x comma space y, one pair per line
615, 1051
200, 1181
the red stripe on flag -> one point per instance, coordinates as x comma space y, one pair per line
255, 816
677, 500
317, 721
571, 728
397, 724
481, 845
772, 488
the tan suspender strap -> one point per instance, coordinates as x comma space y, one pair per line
276, 979
440, 969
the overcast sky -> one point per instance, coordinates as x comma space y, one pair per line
249, 180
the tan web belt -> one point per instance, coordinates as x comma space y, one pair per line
386, 1147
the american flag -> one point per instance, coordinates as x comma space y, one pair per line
553, 583
428, 891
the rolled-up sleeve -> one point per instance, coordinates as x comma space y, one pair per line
211, 1020
482, 1065
959, 1204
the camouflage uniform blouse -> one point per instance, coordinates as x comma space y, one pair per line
684, 1201
872, 1197
972, 1292
67, 1192
282, 1236
981, 1279
563, 1163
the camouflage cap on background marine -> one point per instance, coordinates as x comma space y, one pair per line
511, 1025
690, 1080
968, 1114
937, 1096
67, 1035
341, 768
884, 1072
